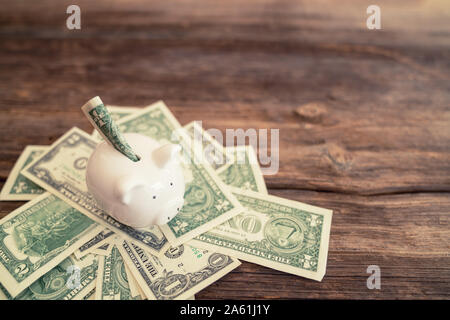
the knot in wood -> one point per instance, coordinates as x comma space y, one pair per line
338, 156
312, 111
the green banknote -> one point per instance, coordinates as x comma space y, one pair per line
103, 250
207, 201
135, 290
72, 279
99, 116
112, 281
17, 187
4, 295
117, 113
281, 234
178, 274
244, 172
36, 237
97, 241
62, 171
208, 147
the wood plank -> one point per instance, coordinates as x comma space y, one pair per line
378, 143
405, 235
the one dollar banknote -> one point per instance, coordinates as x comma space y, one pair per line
281, 234
180, 273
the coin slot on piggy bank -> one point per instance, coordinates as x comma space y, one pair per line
142, 193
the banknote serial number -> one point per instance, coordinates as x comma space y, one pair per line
252, 310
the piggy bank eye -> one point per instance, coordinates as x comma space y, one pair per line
154, 197
171, 184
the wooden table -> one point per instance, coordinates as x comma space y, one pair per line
364, 115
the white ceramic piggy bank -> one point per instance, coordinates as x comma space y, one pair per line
138, 194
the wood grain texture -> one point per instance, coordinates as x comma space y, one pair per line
364, 116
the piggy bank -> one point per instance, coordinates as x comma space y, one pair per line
138, 194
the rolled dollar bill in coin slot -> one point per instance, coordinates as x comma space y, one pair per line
99, 116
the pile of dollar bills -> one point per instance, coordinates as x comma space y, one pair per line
61, 245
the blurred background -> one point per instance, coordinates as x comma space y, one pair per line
364, 115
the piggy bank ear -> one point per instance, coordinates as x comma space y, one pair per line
165, 154
123, 188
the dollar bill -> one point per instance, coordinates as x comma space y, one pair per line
141, 293
62, 170
207, 201
100, 239
180, 273
281, 234
112, 281
99, 116
36, 237
244, 172
59, 283
103, 250
207, 147
4, 295
17, 187
117, 113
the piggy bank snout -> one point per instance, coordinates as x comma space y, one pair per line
170, 210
